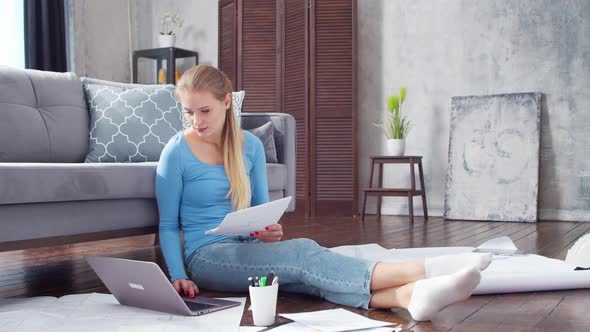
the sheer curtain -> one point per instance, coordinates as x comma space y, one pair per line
12, 52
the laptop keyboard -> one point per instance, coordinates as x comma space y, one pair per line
196, 306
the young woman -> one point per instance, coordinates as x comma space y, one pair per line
214, 168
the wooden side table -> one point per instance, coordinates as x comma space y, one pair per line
379, 191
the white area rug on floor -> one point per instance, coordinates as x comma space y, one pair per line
506, 274
102, 312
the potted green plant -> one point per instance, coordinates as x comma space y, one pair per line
169, 24
396, 126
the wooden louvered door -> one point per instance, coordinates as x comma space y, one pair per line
227, 35
257, 58
295, 75
332, 111
296, 57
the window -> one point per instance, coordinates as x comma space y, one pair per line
12, 33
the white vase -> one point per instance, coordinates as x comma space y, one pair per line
166, 40
396, 147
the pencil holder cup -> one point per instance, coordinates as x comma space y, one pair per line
264, 304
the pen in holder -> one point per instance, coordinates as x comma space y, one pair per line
264, 304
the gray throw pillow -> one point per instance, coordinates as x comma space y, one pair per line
131, 124
266, 133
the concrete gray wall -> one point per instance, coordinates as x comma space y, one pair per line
107, 31
101, 39
445, 48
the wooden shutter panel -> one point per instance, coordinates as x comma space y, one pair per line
332, 105
295, 88
296, 56
259, 60
227, 44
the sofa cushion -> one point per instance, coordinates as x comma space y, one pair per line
131, 124
41, 220
277, 176
58, 182
266, 134
43, 117
61, 182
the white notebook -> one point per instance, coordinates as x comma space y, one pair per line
256, 218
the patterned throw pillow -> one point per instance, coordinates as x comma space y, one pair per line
131, 124
266, 133
237, 101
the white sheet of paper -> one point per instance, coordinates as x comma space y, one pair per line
102, 312
244, 222
250, 328
289, 327
298, 327
499, 246
502, 242
506, 274
335, 320
370, 251
365, 251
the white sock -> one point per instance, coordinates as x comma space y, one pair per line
431, 295
443, 265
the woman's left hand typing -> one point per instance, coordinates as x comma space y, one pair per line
272, 233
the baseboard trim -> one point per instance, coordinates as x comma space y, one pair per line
564, 215
401, 210
544, 214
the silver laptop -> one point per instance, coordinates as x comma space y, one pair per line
144, 285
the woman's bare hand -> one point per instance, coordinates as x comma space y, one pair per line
188, 286
272, 233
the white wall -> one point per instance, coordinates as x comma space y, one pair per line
198, 33
12, 34
445, 48
107, 31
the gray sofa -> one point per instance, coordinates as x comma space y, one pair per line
46, 189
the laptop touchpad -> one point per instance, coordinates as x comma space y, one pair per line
197, 306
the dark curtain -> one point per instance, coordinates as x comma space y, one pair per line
45, 35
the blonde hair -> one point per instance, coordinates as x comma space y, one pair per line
208, 78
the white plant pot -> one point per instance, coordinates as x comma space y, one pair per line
166, 40
396, 147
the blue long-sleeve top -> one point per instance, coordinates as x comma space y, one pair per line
193, 194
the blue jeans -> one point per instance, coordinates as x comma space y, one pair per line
302, 266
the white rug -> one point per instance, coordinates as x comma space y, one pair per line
102, 312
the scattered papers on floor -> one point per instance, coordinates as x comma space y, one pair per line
509, 272
334, 320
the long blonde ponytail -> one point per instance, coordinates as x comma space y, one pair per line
208, 78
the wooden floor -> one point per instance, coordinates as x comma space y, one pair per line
61, 270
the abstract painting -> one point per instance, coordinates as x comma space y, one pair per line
493, 171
